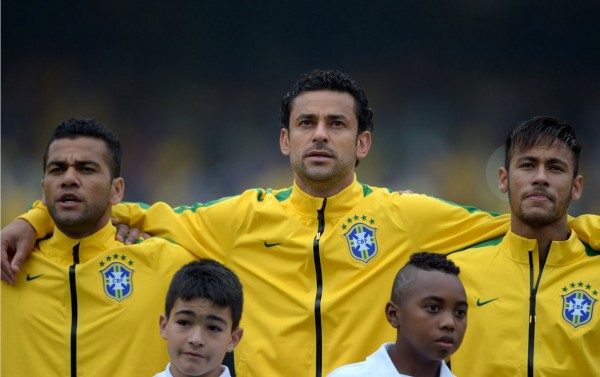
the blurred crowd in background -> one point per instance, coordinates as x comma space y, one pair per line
193, 89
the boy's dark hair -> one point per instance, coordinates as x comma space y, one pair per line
542, 130
329, 80
207, 279
74, 128
421, 261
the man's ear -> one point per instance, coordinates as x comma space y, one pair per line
117, 190
162, 325
43, 196
236, 336
284, 141
363, 144
503, 180
577, 188
392, 313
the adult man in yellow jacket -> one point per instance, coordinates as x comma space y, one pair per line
533, 293
314, 257
84, 304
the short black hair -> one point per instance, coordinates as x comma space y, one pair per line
74, 128
207, 279
542, 130
420, 261
333, 80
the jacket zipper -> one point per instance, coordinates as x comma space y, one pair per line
72, 285
532, 300
319, 274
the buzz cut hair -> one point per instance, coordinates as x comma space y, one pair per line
420, 261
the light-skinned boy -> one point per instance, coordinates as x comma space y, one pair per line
201, 321
428, 308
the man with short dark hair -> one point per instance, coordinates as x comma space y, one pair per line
533, 292
84, 303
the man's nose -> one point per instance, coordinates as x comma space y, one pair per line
70, 177
541, 175
321, 132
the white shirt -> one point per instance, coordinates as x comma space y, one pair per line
167, 372
378, 364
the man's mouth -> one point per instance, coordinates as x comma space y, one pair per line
539, 196
69, 198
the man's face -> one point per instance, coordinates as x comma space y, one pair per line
431, 318
198, 335
540, 185
77, 187
323, 142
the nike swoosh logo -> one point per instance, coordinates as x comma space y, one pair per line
272, 244
481, 303
30, 278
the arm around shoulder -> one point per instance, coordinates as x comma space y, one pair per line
587, 228
18, 240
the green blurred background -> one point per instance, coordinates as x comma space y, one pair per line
192, 88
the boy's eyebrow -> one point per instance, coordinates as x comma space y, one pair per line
212, 317
441, 299
216, 318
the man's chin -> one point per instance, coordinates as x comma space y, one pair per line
539, 219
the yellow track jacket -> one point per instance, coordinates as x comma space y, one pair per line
317, 272
89, 307
527, 322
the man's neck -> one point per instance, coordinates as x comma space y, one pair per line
544, 235
323, 189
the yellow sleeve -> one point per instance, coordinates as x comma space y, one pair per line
587, 228
439, 226
40, 219
204, 229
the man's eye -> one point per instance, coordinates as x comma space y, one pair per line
337, 123
461, 313
215, 328
183, 322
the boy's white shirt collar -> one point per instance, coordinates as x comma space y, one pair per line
167, 372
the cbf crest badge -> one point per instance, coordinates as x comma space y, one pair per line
117, 281
362, 242
578, 306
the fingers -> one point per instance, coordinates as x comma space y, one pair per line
126, 235
133, 236
7, 273
122, 230
18, 240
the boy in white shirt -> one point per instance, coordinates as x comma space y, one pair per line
201, 321
428, 308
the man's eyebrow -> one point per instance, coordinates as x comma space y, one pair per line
77, 163
552, 160
306, 116
328, 116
